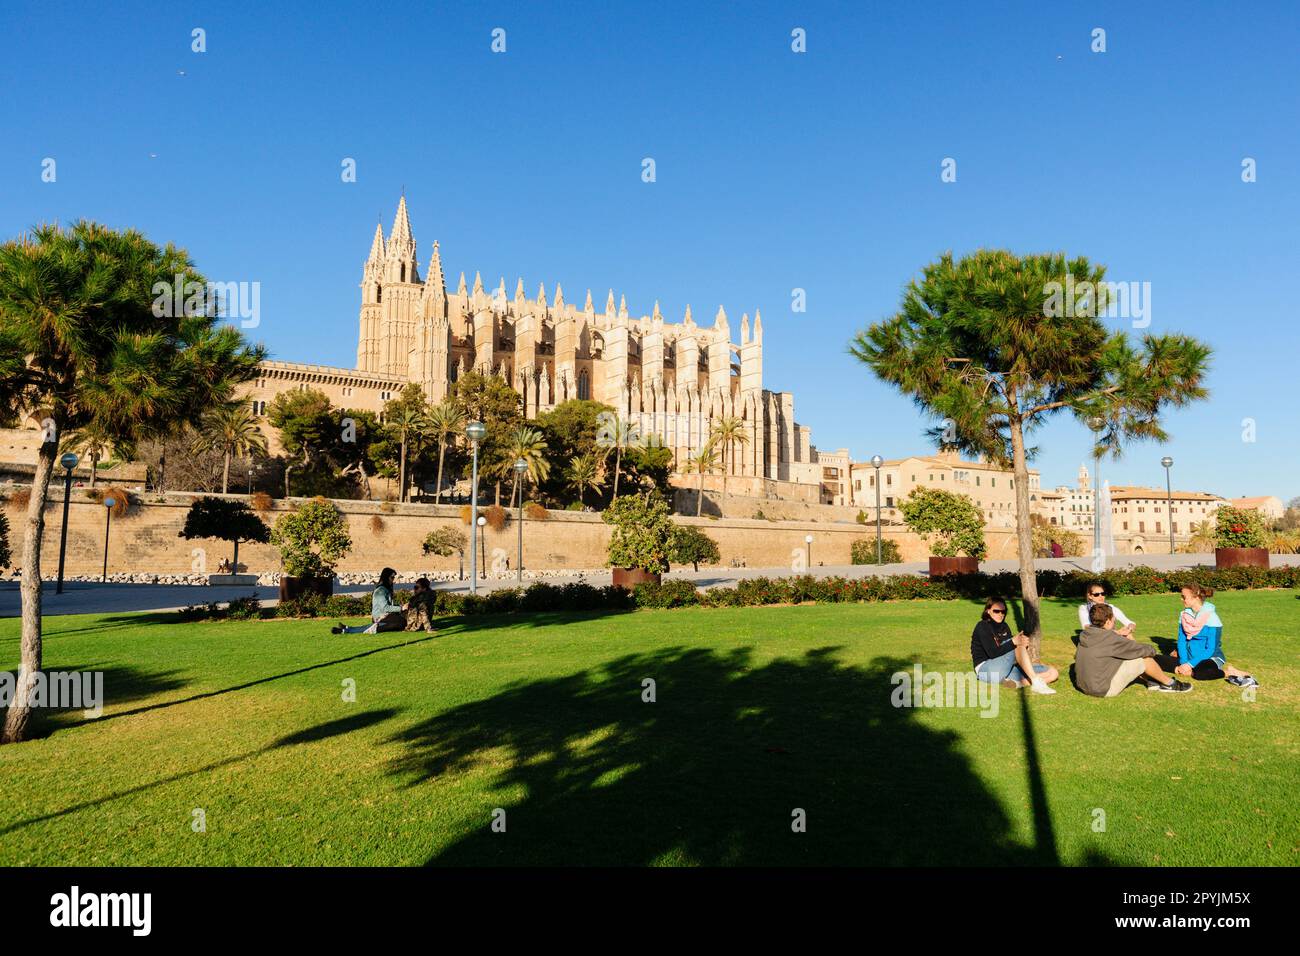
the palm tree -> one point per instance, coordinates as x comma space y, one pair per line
91, 443
525, 443
407, 420
231, 429
86, 343
582, 474
702, 462
446, 419
727, 432
614, 433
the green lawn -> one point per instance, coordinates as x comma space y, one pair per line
759, 711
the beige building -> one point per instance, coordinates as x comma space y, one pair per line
671, 380
1143, 516
1270, 506
993, 489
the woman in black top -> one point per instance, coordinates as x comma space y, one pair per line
1003, 658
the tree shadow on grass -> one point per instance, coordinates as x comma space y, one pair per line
121, 685
712, 772
332, 728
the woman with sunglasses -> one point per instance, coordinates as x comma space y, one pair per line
1096, 593
1003, 658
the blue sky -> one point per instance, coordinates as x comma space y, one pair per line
775, 171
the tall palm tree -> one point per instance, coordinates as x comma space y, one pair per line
527, 443
582, 474
86, 342
702, 462
442, 421
407, 420
231, 429
727, 432
613, 434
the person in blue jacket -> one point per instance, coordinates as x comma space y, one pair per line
1200, 642
385, 613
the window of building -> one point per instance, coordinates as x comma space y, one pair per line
1142, 526
889, 502
584, 385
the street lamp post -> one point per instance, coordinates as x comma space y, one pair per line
475, 432
250, 482
108, 520
482, 544
69, 462
1096, 424
807, 540
876, 462
1169, 500
521, 467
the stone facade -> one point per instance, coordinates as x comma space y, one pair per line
670, 380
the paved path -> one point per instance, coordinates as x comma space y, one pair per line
81, 598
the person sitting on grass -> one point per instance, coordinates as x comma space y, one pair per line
385, 613
1106, 663
1001, 658
1200, 642
1096, 593
419, 610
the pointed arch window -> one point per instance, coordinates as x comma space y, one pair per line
584, 385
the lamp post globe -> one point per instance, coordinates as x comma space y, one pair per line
475, 431
1167, 461
69, 461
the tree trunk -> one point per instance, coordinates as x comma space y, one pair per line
618, 463
225, 473
94, 468
699, 501
724, 470
1025, 539
437, 495
234, 565
20, 713
401, 472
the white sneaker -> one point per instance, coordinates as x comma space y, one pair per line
1040, 687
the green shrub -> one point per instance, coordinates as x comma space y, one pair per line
666, 594
951, 524
1239, 528
863, 551
5, 557
690, 545
642, 532
312, 539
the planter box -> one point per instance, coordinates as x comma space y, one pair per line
1241, 557
232, 580
630, 577
292, 588
963, 564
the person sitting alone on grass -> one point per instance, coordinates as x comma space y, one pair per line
1096, 594
1003, 658
1106, 662
419, 610
1200, 642
385, 613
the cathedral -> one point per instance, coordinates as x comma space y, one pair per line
670, 380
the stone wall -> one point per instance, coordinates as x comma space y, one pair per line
147, 538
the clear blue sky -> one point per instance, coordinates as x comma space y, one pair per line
775, 170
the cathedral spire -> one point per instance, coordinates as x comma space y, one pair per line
478, 283
656, 314
744, 329
758, 326
460, 289
609, 303
720, 320
559, 297
435, 280
377, 246
519, 290
588, 307
622, 306
401, 233
541, 294
688, 320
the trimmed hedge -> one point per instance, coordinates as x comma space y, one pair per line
749, 592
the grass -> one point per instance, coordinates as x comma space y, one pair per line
758, 711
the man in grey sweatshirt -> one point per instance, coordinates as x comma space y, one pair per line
1108, 661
